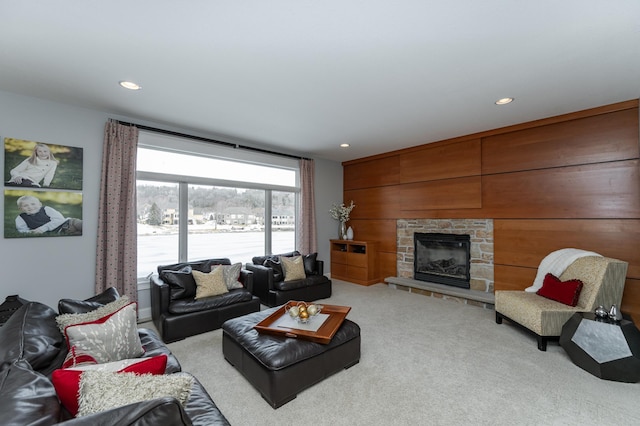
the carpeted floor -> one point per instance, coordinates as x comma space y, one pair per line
424, 361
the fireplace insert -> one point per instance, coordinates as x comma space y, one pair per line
442, 258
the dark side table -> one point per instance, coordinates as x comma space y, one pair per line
607, 349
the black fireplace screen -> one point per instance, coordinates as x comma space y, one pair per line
442, 258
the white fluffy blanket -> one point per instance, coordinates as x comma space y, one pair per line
555, 263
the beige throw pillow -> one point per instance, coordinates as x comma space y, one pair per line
211, 284
293, 268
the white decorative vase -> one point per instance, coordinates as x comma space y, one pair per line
349, 233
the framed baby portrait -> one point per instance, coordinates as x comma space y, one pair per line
30, 164
38, 213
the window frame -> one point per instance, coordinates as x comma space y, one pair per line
151, 140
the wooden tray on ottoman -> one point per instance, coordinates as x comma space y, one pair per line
323, 335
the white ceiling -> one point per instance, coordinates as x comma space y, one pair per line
304, 76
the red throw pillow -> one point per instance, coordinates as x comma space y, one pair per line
67, 381
567, 292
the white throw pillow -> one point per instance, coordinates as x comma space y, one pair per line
100, 390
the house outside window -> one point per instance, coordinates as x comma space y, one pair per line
197, 201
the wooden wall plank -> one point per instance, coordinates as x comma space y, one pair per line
441, 161
601, 138
381, 202
526, 242
387, 265
607, 190
507, 277
381, 230
458, 193
565, 181
380, 172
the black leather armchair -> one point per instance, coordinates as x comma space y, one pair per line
177, 314
269, 284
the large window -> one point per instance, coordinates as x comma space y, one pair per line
195, 201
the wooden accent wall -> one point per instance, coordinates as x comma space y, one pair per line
566, 181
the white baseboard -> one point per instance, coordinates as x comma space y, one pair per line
144, 315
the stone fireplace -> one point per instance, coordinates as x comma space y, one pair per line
480, 232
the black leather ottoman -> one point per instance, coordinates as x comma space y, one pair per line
280, 367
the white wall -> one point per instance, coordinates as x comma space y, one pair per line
47, 269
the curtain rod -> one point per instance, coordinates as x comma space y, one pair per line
202, 139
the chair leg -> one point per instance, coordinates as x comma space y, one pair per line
542, 343
498, 318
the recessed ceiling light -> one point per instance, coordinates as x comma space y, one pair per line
344, 145
504, 101
130, 85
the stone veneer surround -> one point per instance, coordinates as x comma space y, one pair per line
480, 231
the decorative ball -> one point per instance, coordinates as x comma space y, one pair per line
302, 309
312, 310
293, 311
304, 314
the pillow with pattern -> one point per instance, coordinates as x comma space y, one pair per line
232, 275
210, 284
293, 268
66, 320
110, 338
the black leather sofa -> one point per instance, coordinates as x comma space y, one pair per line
33, 347
177, 314
270, 287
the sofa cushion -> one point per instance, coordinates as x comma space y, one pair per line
307, 282
293, 268
111, 338
184, 306
181, 282
74, 306
567, 292
27, 397
209, 284
100, 391
31, 333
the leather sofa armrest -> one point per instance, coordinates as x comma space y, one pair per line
262, 280
246, 278
320, 267
161, 411
160, 296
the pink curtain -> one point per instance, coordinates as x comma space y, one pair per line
116, 260
307, 239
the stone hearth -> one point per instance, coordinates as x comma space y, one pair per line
481, 269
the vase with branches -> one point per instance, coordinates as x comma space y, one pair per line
341, 213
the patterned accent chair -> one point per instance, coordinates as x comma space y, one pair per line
603, 284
